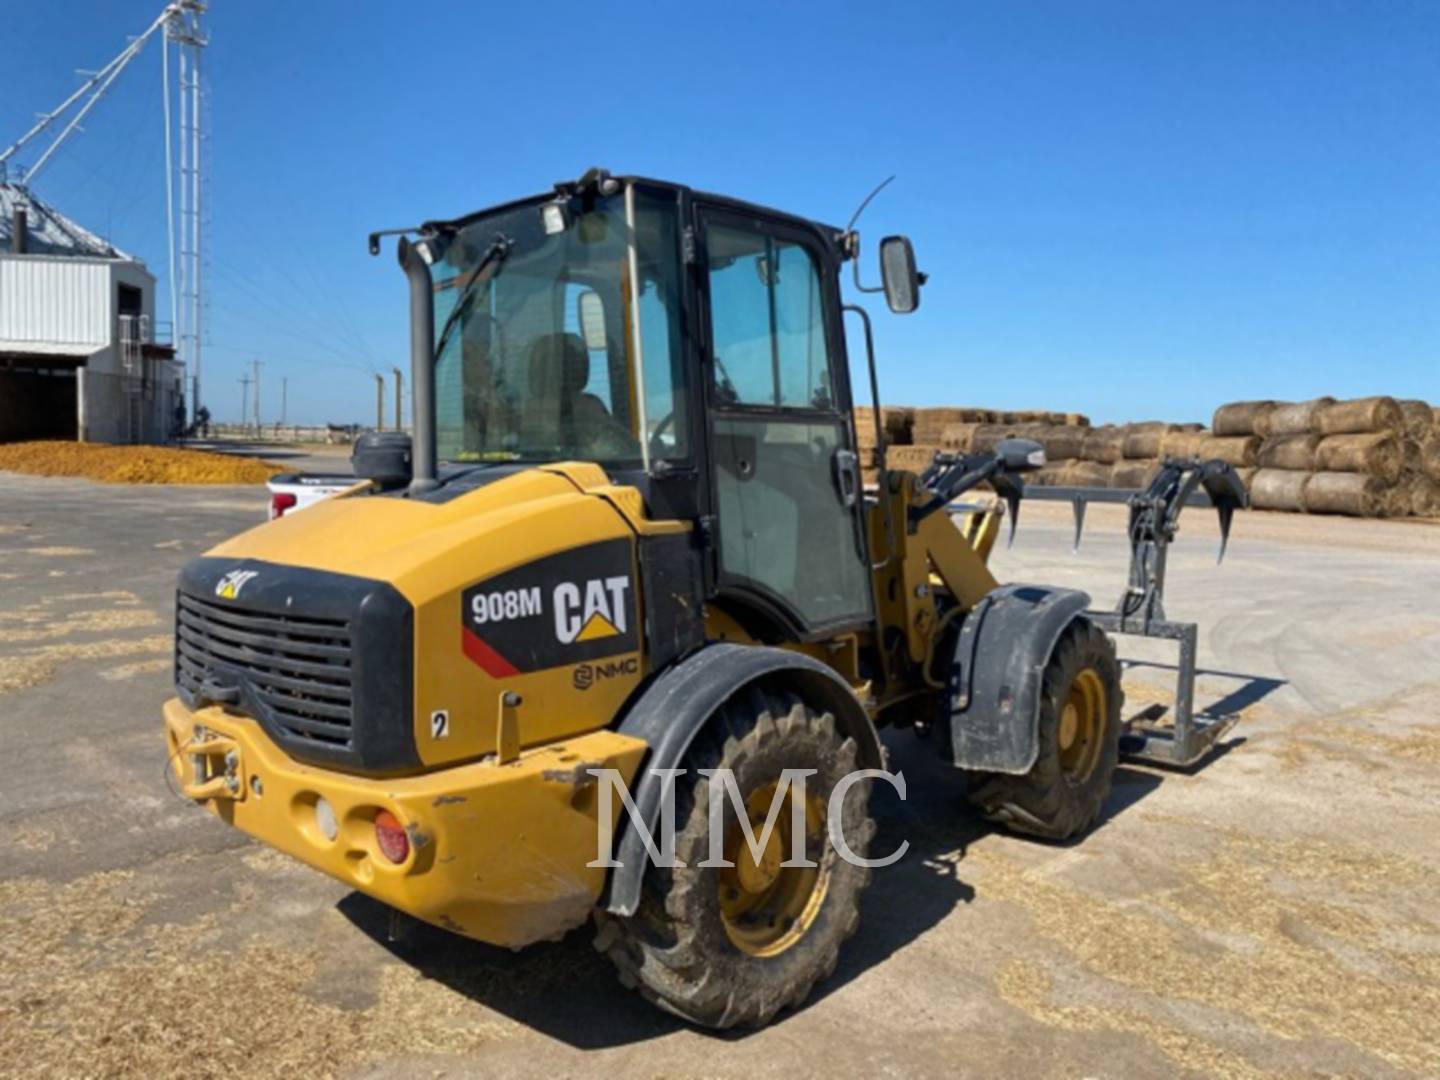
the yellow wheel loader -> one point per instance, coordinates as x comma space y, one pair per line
625, 583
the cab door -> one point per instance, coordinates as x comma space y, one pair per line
786, 482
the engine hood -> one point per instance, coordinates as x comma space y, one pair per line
413, 545
523, 590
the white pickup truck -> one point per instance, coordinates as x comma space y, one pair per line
296, 491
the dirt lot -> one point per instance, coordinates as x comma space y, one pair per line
1276, 912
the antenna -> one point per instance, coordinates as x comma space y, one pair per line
866, 202
850, 239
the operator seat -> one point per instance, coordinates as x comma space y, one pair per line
560, 413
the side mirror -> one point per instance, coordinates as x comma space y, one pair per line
897, 272
1020, 455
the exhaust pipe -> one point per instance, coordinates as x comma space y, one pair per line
422, 365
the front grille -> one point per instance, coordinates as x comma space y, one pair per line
298, 669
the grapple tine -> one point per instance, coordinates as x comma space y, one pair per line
1227, 514
1012, 507
1078, 505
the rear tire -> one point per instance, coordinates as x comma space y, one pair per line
724, 947
1079, 730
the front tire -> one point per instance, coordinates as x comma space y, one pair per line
1079, 730
726, 946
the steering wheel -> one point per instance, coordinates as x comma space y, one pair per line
657, 449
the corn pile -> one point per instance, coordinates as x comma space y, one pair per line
132, 464
1366, 457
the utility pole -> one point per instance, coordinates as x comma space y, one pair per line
284, 398
256, 365
244, 381
399, 416
379, 402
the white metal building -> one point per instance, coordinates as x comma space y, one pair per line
80, 355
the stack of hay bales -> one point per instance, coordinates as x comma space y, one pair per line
1365, 457
915, 435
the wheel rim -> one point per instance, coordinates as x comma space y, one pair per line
766, 907
1082, 725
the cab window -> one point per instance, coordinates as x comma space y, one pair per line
766, 321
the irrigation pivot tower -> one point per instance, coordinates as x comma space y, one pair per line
183, 28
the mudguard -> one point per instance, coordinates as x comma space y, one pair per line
996, 675
674, 708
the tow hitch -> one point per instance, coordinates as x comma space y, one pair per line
215, 766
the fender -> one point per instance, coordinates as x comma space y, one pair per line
675, 707
997, 672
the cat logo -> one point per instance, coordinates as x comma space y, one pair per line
229, 586
590, 612
573, 607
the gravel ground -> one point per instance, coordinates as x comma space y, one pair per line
1275, 912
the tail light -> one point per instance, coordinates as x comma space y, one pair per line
280, 502
390, 836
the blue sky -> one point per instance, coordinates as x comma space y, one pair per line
1133, 209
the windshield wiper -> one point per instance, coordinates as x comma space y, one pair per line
495, 253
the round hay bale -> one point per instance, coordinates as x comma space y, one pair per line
928, 424
1132, 473
1288, 452
1240, 417
1430, 457
914, 459
1183, 444
1048, 475
1412, 455
1235, 450
1353, 493
1075, 419
1142, 441
1279, 489
1358, 415
1062, 442
986, 437
1376, 453
1247, 476
1417, 418
1103, 444
894, 418
1292, 417
958, 436
1425, 497
1087, 474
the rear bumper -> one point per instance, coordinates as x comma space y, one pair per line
497, 852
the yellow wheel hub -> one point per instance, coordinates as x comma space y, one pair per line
1082, 725
767, 907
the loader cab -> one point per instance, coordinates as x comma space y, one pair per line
689, 344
